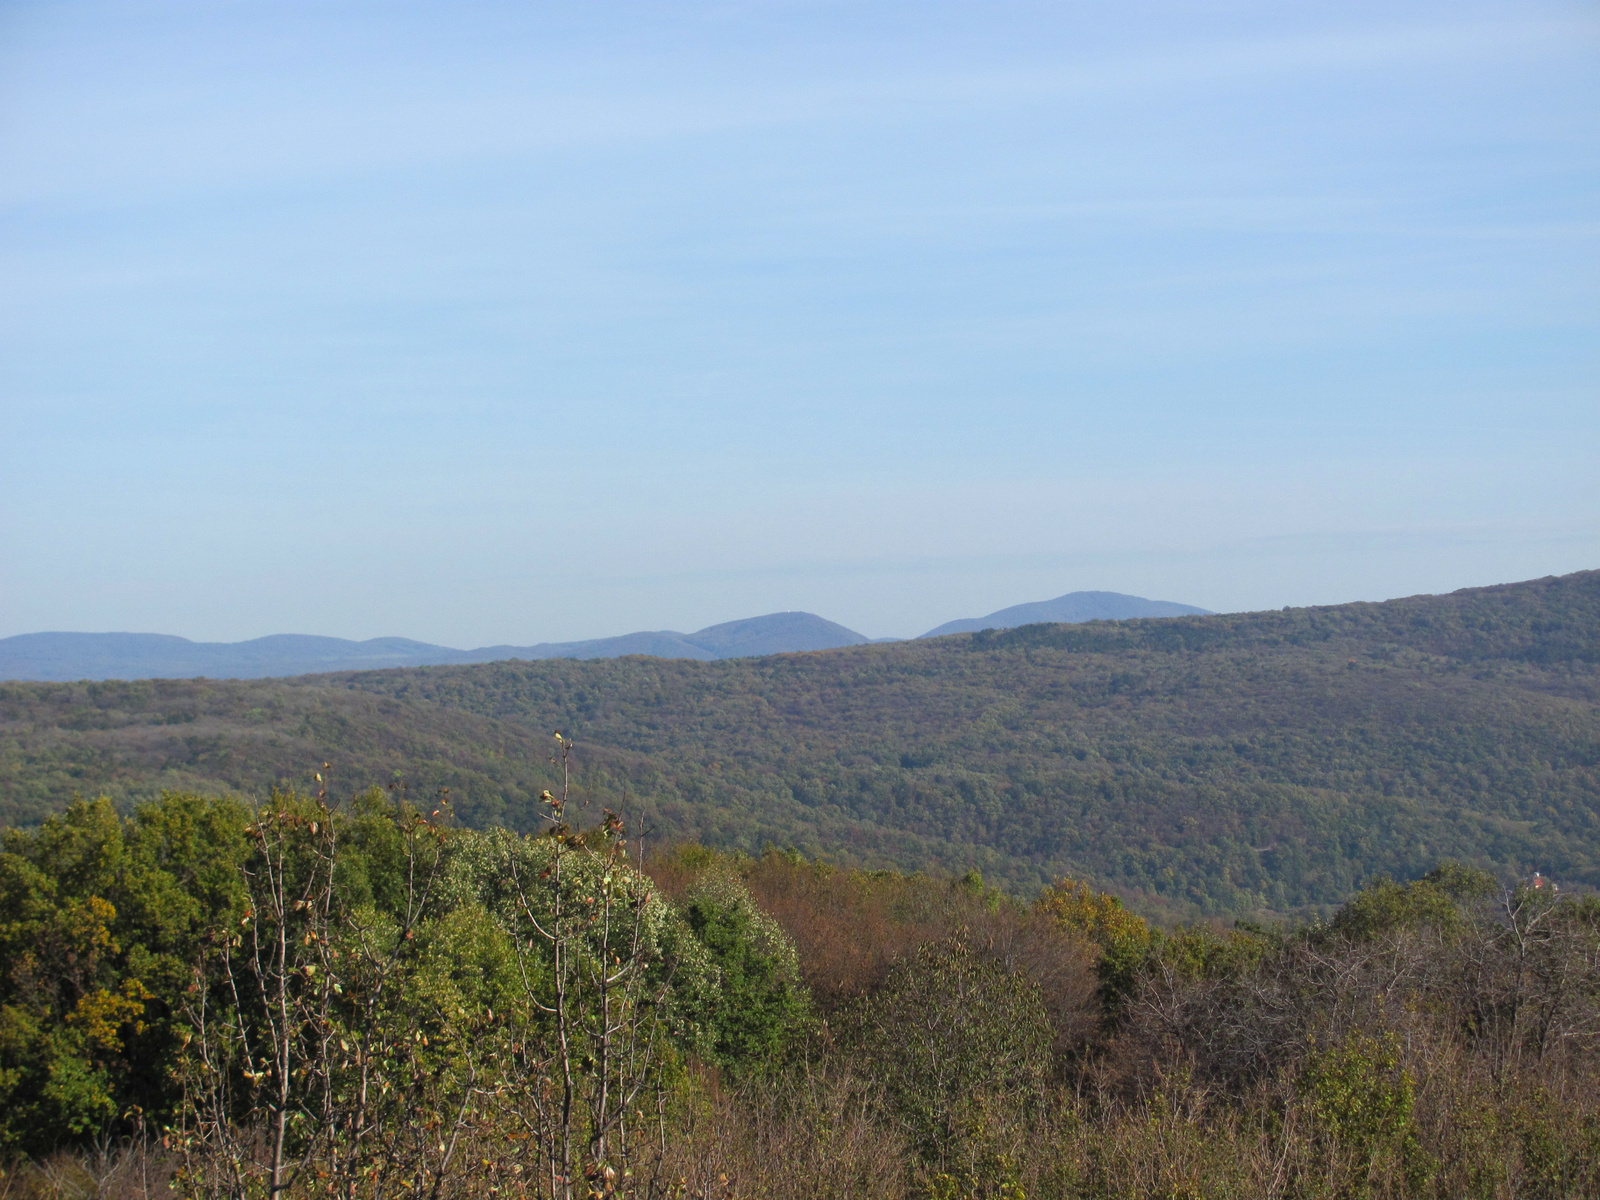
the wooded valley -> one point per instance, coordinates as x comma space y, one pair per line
1244, 764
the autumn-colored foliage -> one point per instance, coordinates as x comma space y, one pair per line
365, 1000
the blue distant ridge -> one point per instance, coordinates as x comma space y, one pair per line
64, 657
1071, 609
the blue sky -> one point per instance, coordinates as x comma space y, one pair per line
483, 322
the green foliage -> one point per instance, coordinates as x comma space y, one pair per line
1122, 940
1239, 765
99, 918
989, 1176
1204, 952
391, 990
1364, 1100
761, 1004
455, 1013
1435, 900
1358, 1092
510, 877
105, 922
952, 1036
1558, 1159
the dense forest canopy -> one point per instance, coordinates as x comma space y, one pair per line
1239, 763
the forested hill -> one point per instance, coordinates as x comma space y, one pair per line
1235, 763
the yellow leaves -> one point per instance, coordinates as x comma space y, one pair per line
88, 927
101, 1014
101, 909
1098, 916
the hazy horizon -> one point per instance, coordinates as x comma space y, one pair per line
489, 323
662, 629
700, 629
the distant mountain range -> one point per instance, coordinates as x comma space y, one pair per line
1071, 609
64, 657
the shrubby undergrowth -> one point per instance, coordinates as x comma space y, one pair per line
209, 1000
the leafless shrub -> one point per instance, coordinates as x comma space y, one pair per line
815, 1134
134, 1170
